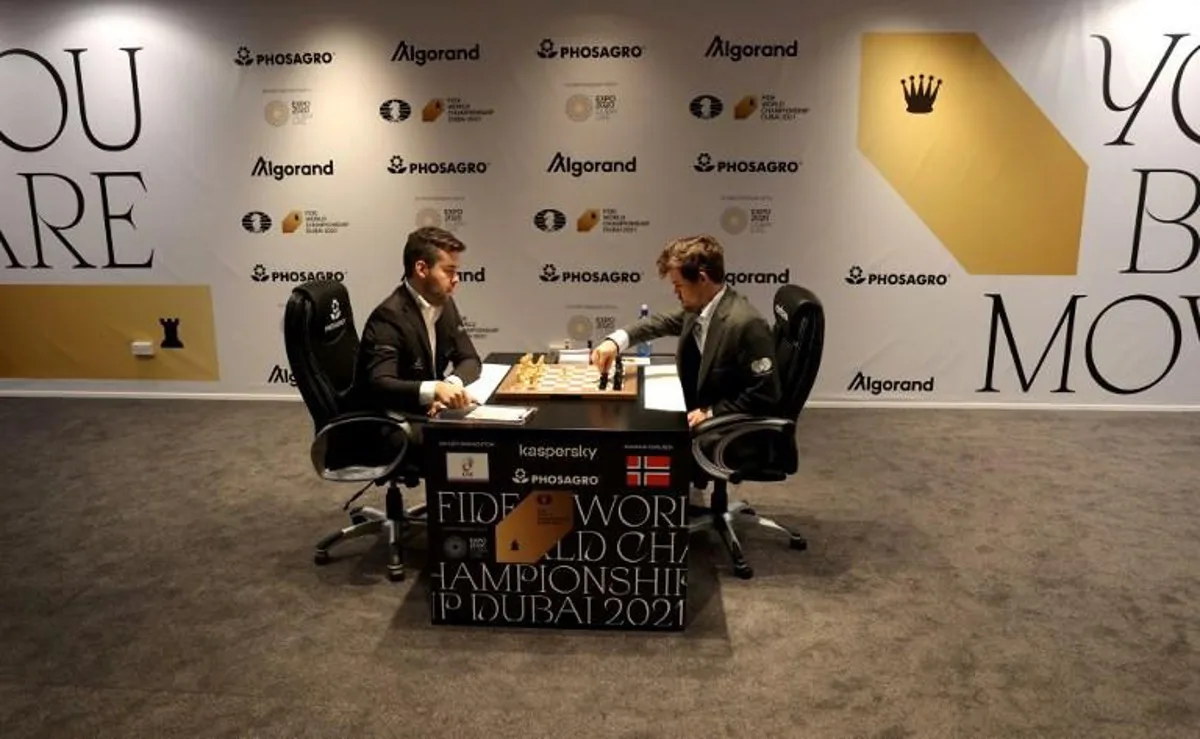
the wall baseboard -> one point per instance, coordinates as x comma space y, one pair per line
837, 404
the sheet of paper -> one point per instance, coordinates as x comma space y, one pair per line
574, 356
662, 392
490, 376
498, 413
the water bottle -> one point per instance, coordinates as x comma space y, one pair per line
643, 349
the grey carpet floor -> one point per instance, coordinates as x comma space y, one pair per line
971, 574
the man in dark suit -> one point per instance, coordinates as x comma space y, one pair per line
726, 354
416, 355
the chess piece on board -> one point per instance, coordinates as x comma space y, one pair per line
603, 380
618, 375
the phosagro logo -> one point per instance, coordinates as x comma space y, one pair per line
264, 167
261, 274
521, 477
856, 276
547, 49
705, 163
563, 164
541, 451
720, 48
760, 278
282, 59
406, 52
867, 384
550, 273
397, 165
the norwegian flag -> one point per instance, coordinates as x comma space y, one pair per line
648, 472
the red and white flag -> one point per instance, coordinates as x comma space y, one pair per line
648, 472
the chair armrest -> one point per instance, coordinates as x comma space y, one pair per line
719, 432
349, 430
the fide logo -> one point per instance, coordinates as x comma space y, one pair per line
395, 111
170, 327
256, 222
550, 220
706, 107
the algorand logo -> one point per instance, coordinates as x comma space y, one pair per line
564, 164
420, 56
397, 165
264, 167
856, 276
245, 58
913, 97
760, 278
551, 273
546, 451
735, 51
706, 163
877, 386
281, 375
547, 49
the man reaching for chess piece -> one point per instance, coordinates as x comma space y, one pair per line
416, 355
726, 353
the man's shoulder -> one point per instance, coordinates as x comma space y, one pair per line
741, 310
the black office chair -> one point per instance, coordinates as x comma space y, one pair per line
350, 444
737, 447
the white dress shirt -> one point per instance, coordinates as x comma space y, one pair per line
431, 313
699, 330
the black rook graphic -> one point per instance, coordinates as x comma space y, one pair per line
170, 333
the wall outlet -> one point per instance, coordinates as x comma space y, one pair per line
142, 348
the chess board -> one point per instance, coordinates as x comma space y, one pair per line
565, 381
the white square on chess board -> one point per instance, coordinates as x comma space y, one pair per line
466, 467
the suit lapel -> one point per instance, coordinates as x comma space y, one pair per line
714, 337
416, 324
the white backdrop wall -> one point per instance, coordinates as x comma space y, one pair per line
1030, 238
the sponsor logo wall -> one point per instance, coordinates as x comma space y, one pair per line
989, 216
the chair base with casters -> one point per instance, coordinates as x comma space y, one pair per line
710, 442
379, 436
395, 520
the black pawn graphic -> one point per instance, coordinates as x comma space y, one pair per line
515, 546
170, 333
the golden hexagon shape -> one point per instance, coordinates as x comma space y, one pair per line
971, 153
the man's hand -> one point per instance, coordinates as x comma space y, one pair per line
451, 395
604, 354
435, 408
698, 416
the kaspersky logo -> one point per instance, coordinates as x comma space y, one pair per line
930, 102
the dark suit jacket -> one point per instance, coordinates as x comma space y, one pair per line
393, 356
737, 368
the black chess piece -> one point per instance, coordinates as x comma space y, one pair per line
516, 547
170, 333
603, 379
618, 375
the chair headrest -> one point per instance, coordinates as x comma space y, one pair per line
332, 313
792, 305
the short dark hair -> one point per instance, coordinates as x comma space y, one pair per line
424, 244
693, 255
